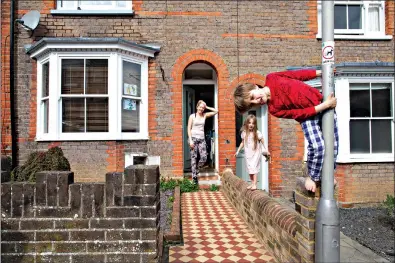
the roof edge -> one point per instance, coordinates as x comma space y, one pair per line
87, 40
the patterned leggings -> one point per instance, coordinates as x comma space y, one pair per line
200, 146
316, 146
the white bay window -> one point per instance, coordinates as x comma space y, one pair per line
91, 92
356, 19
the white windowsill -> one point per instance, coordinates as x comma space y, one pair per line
366, 160
93, 12
362, 160
359, 37
83, 137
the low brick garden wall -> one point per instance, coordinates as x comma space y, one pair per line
57, 220
286, 232
174, 235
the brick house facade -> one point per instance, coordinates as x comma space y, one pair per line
240, 40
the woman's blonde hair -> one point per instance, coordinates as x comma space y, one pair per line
242, 97
247, 131
200, 102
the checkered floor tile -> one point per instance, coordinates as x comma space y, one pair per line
213, 231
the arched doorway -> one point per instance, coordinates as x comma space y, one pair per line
200, 83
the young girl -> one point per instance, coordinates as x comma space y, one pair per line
252, 141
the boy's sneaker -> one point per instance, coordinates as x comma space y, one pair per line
195, 180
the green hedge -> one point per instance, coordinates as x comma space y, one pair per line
51, 160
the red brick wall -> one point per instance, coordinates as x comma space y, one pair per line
243, 43
365, 182
5, 76
389, 15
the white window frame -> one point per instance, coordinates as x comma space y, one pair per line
143, 95
42, 98
80, 4
363, 33
115, 87
342, 90
80, 96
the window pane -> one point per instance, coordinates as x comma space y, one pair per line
96, 76
359, 136
198, 74
72, 76
121, 3
355, 17
374, 18
45, 80
131, 79
340, 17
46, 114
381, 100
97, 114
359, 100
97, 3
381, 136
130, 115
67, 4
73, 115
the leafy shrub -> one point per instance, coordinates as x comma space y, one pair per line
389, 204
169, 184
185, 185
52, 160
214, 187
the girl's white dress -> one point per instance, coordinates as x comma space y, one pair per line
252, 156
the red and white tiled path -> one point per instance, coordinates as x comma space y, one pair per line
213, 231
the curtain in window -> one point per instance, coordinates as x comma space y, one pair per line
374, 18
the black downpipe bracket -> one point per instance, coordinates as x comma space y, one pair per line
14, 146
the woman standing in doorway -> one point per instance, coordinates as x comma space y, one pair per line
196, 138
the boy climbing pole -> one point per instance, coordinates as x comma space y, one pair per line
287, 96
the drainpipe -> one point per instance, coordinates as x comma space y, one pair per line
12, 88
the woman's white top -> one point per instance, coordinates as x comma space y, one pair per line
198, 126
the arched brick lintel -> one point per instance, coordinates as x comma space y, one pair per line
254, 78
226, 109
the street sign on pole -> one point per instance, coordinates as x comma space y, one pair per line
327, 225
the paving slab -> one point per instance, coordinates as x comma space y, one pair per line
353, 252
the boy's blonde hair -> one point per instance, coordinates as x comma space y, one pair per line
242, 97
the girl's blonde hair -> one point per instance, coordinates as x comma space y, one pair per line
200, 102
247, 131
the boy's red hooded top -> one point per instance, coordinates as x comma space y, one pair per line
290, 98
